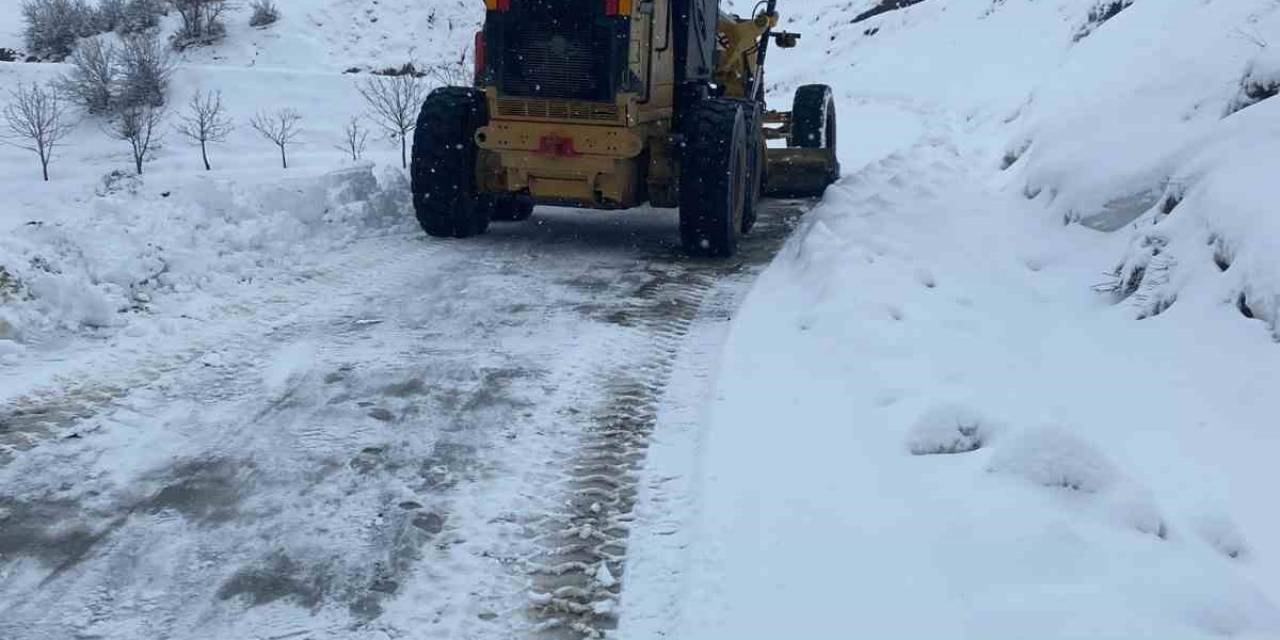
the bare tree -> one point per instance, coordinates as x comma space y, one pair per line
355, 139
92, 79
36, 120
205, 122
139, 125
146, 67
281, 128
394, 102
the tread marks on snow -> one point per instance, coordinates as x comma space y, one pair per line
581, 547
578, 569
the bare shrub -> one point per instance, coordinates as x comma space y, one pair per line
139, 125
450, 73
110, 15
201, 22
205, 122
51, 27
281, 128
394, 102
145, 68
36, 120
91, 82
265, 12
141, 15
355, 139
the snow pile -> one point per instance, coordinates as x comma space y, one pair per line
1056, 457
949, 429
131, 246
1172, 144
1108, 113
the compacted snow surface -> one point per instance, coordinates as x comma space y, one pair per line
1013, 377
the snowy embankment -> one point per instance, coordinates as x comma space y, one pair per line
99, 249
938, 415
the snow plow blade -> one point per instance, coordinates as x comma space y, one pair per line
799, 173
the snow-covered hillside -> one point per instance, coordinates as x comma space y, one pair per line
1012, 378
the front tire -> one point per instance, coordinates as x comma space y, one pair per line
444, 164
714, 177
756, 152
813, 125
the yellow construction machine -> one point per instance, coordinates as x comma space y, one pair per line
612, 104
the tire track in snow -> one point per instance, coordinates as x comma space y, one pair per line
578, 567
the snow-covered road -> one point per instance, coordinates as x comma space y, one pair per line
435, 437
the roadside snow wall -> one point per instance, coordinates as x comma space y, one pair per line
1152, 118
134, 245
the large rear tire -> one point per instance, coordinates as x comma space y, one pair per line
755, 160
444, 164
755, 163
813, 124
714, 177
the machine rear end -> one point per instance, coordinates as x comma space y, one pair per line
612, 104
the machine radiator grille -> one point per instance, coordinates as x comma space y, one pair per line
568, 60
559, 110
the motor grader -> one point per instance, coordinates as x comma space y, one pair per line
612, 104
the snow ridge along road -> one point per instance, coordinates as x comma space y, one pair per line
433, 438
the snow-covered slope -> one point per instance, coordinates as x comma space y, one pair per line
78, 260
939, 414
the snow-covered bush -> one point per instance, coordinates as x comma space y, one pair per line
51, 27
1055, 457
201, 22
1221, 533
265, 12
10, 286
1134, 507
1261, 80
948, 429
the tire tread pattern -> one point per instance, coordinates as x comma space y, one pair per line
706, 223
444, 164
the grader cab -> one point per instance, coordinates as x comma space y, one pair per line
613, 104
